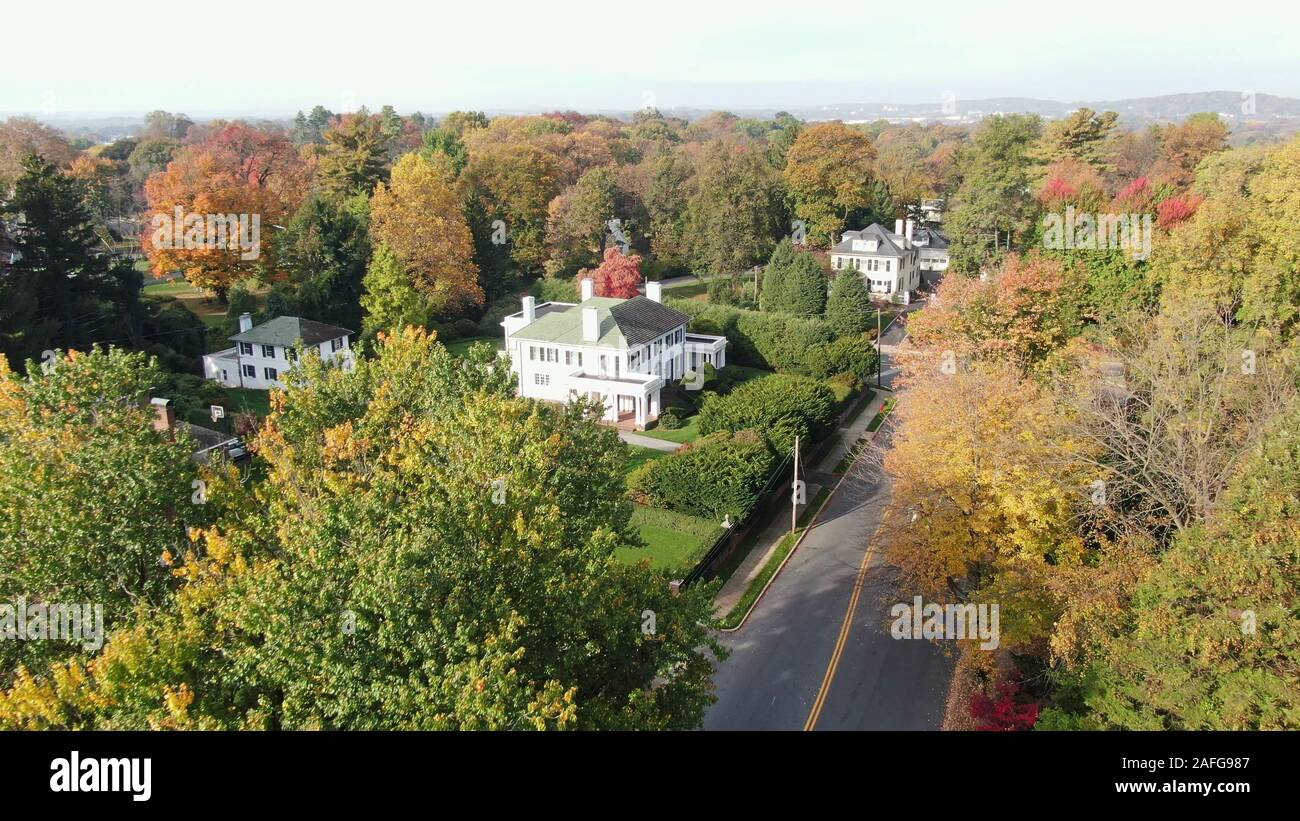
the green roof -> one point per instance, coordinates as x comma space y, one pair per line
562, 324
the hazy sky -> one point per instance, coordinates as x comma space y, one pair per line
275, 57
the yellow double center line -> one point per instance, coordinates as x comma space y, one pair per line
843, 639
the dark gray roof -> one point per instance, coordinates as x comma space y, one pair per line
642, 320
886, 245
288, 331
930, 238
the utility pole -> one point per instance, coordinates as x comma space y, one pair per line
878, 365
794, 494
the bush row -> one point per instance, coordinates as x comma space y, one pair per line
719, 475
781, 407
781, 342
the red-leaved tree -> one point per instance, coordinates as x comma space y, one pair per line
618, 275
1007, 712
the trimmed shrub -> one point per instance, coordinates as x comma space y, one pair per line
719, 475
668, 420
844, 385
849, 354
780, 407
771, 341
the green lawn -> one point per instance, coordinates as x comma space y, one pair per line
461, 346
638, 456
674, 541
198, 302
249, 401
688, 432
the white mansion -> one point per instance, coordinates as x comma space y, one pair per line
263, 354
892, 263
620, 352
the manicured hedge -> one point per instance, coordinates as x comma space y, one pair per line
718, 475
781, 407
773, 341
849, 354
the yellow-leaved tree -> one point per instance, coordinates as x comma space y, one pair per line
420, 219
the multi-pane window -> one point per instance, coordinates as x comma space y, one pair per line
270, 373
246, 348
250, 371
336, 343
541, 379
532, 353
268, 351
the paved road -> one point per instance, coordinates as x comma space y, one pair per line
779, 658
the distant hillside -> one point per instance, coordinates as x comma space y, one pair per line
1250, 115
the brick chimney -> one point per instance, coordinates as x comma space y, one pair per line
245, 322
164, 414
590, 325
530, 310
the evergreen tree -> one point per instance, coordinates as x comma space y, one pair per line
61, 292
805, 287
849, 308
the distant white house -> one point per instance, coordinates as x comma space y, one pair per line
933, 247
619, 352
264, 354
888, 262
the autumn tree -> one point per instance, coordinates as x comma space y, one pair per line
577, 222
618, 275
1169, 407
1083, 136
419, 217
22, 137
377, 604
236, 169
829, 172
1205, 637
1021, 314
1184, 145
983, 498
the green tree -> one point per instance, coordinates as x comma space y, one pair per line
91, 496
325, 252
442, 557
848, 309
735, 214
61, 292
993, 205
805, 287
355, 155
391, 301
